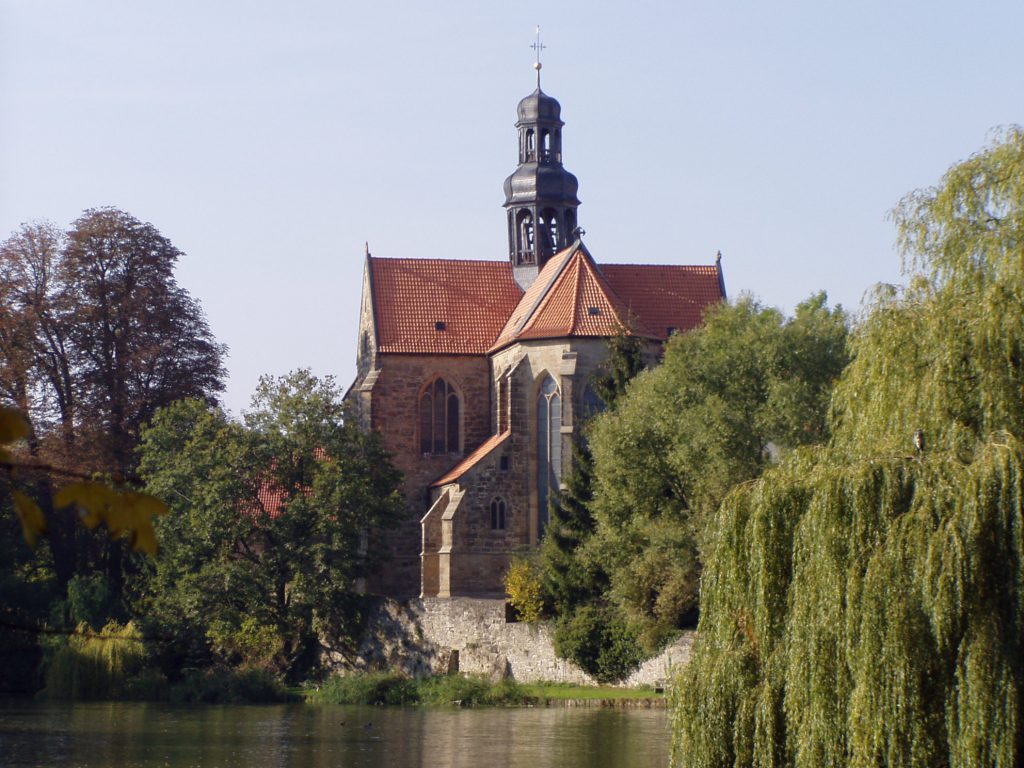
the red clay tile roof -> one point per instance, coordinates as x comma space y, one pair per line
570, 297
473, 299
663, 296
533, 296
270, 496
471, 460
270, 499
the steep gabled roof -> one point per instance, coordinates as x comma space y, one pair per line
665, 296
570, 297
440, 306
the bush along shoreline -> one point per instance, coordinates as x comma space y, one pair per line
112, 664
391, 689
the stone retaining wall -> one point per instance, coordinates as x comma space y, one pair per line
434, 635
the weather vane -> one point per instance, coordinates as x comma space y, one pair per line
538, 47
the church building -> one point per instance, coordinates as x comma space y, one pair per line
476, 373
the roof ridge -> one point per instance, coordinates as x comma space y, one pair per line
547, 289
575, 323
665, 266
441, 259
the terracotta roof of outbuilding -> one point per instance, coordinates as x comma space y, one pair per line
665, 296
471, 460
270, 499
270, 496
440, 306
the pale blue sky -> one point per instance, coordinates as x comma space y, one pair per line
270, 140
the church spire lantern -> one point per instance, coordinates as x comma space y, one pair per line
540, 196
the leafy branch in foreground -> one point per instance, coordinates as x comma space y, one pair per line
124, 513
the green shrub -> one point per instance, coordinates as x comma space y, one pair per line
251, 644
89, 601
224, 685
373, 688
387, 688
471, 689
600, 642
524, 590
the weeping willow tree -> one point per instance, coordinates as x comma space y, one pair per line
863, 604
93, 665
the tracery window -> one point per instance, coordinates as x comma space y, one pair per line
439, 418
498, 510
549, 447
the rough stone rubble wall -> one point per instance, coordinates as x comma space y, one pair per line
418, 636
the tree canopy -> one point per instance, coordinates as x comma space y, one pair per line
272, 523
95, 335
863, 603
729, 396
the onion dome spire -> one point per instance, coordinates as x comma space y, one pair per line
540, 196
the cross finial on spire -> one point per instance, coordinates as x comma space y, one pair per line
538, 46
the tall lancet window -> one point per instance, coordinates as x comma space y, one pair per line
439, 418
549, 448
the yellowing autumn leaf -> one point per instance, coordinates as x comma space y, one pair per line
33, 522
144, 503
93, 500
129, 513
13, 425
144, 538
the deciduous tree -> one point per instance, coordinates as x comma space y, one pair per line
272, 523
728, 398
95, 335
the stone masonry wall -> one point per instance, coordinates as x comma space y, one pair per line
418, 636
395, 414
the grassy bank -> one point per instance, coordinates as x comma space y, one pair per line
387, 689
560, 691
383, 688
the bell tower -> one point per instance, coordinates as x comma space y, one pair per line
540, 196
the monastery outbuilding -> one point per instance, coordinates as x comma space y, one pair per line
476, 373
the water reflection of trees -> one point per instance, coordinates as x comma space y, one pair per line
298, 736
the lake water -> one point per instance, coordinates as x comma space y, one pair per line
150, 735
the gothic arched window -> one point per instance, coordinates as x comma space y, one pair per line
439, 418
498, 510
549, 447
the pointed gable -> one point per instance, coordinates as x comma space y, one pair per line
570, 297
440, 306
